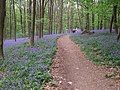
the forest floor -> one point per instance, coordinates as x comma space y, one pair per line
72, 71
26, 67
12, 43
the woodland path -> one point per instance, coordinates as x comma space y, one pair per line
73, 71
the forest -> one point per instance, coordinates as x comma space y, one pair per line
42, 41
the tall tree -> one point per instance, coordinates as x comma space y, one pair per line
21, 17
29, 16
10, 18
118, 37
98, 26
101, 23
50, 13
61, 17
24, 18
14, 12
93, 20
114, 19
87, 20
2, 19
33, 23
42, 12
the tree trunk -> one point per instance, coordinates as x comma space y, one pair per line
42, 17
21, 17
80, 18
105, 24
50, 13
114, 19
60, 18
42, 11
57, 22
93, 20
87, 21
14, 20
37, 17
24, 23
118, 37
10, 19
71, 18
54, 21
68, 18
101, 24
98, 27
33, 23
111, 23
93, 16
2, 19
29, 17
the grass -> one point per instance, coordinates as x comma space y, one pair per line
27, 68
102, 48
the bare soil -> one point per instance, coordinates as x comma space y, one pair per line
72, 71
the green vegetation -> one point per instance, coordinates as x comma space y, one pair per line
27, 68
101, 48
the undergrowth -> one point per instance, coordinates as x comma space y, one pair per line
26, 67
102, 48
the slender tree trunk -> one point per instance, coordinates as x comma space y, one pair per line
33, 23
93, 20
78, 13
60, 18
2, 19
10, 19
42, 11
71, 18
55, 17
37, 17
50, 13
118, 37
54, 21
24, 23
42, 17
101, 24
57, 22
98, 27
21, 18
111, 23
105, 24
14, 19
93, 16
87, 21
68, 18
114, 19
29, 17
82, 15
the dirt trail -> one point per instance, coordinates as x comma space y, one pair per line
73, 71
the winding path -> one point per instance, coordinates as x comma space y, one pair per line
73, 71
